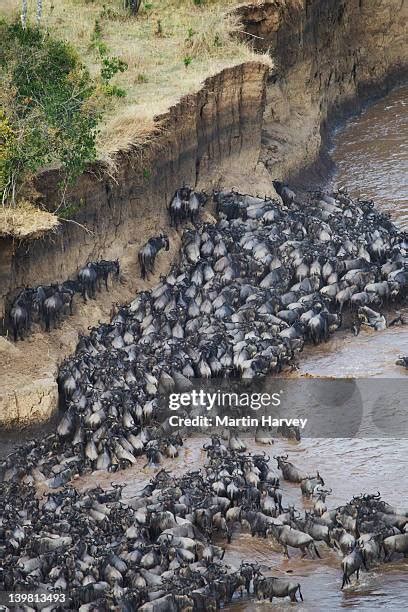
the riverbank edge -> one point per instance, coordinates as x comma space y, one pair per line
321, 170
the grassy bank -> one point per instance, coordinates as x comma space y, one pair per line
169, 48
164, 52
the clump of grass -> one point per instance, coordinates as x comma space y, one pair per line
26, 220
214, 30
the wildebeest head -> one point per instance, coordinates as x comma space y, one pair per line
165, 241
281, 459
116, 265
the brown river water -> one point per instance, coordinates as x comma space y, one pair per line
371, 155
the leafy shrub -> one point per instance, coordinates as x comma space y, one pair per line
7, 143
49, 109
114, 91
111, 66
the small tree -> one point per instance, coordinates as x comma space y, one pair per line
132, 5
39, 11
24, 14
24, 8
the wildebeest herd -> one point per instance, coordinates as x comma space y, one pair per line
185, 206
246, 295
155, 551
46, 304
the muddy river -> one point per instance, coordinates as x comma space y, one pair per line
371, 156
349, 467
371, 153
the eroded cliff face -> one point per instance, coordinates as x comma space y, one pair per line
209, 138
199, 141
329, 55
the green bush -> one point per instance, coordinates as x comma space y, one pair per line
49, 105
113, 91
111, 66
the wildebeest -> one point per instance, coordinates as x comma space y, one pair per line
104, 268
269, 587
87, 276
46, 303
93, 273
402, 361
209, 316
309, 484
319, 506
287, 536
322, 324
53, 307
352, 564
148, 253
395, 544
370, 545
20, 318
372, 318
288, 196
185, 205
289, 471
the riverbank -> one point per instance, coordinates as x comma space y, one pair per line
330, 59
380, 134
168, 50
242, 129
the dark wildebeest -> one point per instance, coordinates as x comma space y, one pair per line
288, 196
179, 206
270, 587
104, 268
20, 318
88, 277
54, 305
185, 205
148, 252
352, 563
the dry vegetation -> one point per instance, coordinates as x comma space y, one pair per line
170, 47
26, 220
